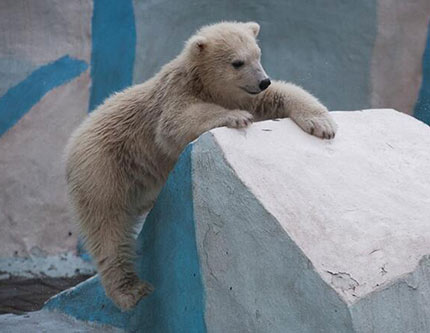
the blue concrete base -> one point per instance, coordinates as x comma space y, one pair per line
167, 258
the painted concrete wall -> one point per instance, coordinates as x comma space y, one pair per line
45, 53
269, 229
60, 59
398, 60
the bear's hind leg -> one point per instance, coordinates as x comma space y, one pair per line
110, 238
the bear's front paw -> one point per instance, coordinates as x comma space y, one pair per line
129, 294
238, 119
322, 126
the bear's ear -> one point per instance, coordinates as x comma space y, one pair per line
197, 44
254, 26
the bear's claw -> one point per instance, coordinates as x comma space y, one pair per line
239, 119
322, 126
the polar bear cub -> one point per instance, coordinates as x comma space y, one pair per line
120, 156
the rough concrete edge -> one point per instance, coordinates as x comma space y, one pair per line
390, 284
61, 316
397, 315
66, 292
341, 298
62, 265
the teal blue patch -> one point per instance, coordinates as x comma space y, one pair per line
167, 258
18, 100
113, 47
88, 302
82, 252
422, 108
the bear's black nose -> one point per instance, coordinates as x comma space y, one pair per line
264, 84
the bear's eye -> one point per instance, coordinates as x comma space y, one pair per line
237, 64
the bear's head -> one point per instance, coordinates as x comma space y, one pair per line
227, 59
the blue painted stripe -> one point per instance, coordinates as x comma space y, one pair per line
167, 258
82, 252
18, 100
422, 108
113, 48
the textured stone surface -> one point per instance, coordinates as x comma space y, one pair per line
358, 206
288, 231
48, 322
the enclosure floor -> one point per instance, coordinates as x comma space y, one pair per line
20, 295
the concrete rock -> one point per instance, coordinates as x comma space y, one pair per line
269, 229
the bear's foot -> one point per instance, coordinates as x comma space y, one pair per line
321, 126
130, 293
